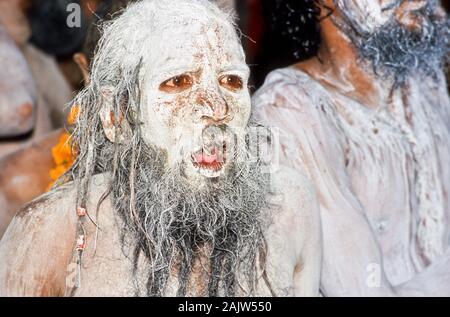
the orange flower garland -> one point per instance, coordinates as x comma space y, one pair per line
73, 115
63, 156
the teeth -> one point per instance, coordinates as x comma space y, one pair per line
210, 160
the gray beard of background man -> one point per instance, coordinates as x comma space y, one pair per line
399, 51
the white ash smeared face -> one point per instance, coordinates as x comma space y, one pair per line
193, 76
192, 83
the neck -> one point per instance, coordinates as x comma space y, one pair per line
338, 66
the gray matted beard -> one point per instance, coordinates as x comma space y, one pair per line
170, 222
394, 50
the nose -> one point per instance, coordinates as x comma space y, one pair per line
216, 109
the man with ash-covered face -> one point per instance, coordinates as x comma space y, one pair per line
368, 120
167, 198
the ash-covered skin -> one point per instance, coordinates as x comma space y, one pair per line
17, 90
176, 118
179, 71
174, 223
403, 40
398, 37
377, 153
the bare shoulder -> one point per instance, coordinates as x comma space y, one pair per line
45, 207
59, 204
293, 102
38, 244
32, 246
295, 189
284, 86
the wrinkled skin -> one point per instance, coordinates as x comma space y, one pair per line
182, 91
178, 115
178, 112
378, 155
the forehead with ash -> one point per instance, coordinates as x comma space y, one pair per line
152, 31
145, 25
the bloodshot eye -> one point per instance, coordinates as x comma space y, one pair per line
176, 84
231, 82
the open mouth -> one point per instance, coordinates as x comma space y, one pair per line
210, 161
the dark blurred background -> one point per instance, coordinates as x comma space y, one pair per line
274, 36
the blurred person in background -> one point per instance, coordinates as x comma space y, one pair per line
367, 119
52, 89
29, 171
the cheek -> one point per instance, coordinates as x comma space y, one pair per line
160, 107
241, 110
155, 127
166, 127
163, 112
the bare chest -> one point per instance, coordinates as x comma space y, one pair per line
107, 270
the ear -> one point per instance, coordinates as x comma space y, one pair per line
116, 128
83, 65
